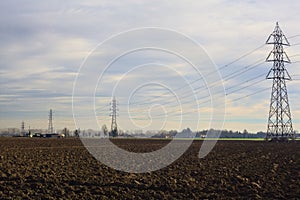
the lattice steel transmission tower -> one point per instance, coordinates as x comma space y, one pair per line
280, 120
22, 132
50, 123
114, 126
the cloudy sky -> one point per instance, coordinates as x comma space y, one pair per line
44, 43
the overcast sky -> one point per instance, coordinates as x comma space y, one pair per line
43, 44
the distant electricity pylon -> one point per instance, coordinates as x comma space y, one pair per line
114, 126
22, 132
50, 123
280, 120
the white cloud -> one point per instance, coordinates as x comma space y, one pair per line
43, 44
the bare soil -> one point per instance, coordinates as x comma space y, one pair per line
36, 168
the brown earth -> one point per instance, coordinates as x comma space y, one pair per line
63, 169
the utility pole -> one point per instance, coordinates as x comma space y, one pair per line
114, 126
280, 120
50, 123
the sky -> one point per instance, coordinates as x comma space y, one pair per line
46, 46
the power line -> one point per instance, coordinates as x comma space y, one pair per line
214, 84
259, 91
213, 72
243, 56
246, 69
298, 35
204, 97
237, 99
227, 77
234, 91
246, 81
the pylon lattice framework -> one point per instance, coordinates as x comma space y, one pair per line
114, 126
22, 132
50, 123
280, 120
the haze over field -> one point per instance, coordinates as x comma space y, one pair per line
43, 44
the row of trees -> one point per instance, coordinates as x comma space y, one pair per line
105, 131
139, 133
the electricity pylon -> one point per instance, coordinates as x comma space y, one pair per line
114, 126
22, 132
50, 123
280, 120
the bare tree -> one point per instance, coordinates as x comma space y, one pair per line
105, 130
77, 132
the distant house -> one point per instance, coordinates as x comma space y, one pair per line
54, 135
37, 135
48, 135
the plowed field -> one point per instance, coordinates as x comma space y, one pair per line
36, 168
